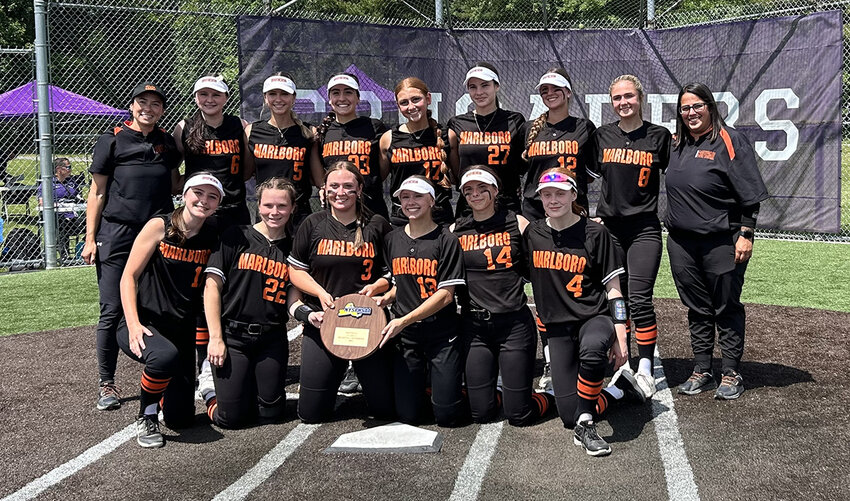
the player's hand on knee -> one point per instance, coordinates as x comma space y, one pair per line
137, 338
216, 352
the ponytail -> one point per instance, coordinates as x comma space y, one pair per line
195, 140
178, 229
305, 131
323, 127
536, 127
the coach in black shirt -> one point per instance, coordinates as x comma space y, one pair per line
713, 193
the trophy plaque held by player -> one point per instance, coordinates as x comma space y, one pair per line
352, 330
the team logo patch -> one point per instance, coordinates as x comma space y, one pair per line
349, 310
706, 154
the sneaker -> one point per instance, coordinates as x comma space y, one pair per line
350, 383
108, 396
586, 436
545, 383
147, 432
624, 379
206, 386
697, 383
731, 386
646, 384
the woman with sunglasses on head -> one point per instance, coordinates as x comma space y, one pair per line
488, 135
714, 189
281, 146
630, 156
161, 294
416, 148
134, 173
575, 275
426, 265
339, 251
246, 298
495, 312
345, 136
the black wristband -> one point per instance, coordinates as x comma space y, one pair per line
617, 308
302, 313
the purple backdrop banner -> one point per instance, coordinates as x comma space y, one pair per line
777, 80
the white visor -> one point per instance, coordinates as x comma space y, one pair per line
202, 179
346, 80
279, 82
555, 79
415, 185
557, 180
482, 73
213, 83
478, 175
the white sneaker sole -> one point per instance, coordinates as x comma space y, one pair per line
601, 452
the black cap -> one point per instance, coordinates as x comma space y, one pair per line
148, 87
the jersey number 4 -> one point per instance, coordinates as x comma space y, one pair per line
275, 291
575, 285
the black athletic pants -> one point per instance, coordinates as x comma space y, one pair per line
638, 246
431, 347
709, 284
321, 373
579, 353
252, 381
114, 241
507, 341
169, 357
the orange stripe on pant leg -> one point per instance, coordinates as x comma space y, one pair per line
542, 403
588, 389
646, 335
212, 405
202, 336
154, 385
601, 403
540, 326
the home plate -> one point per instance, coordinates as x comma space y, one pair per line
393, 438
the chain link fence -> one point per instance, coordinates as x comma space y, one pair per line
100, 50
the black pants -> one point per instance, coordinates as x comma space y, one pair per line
638, 246
321, 373
436, 348
114, 241
709, 284
579, 353
508, 342
168, 354
252, 381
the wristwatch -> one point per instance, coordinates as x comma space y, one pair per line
748, 233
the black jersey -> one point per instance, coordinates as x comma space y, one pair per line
420, 266
495, 260
171, 286
495, 140
325, 248
283, 153
630, 165
708, 183
139, 171
569, 269
412, 154
567, 144
255, 276
357, 141
222, 157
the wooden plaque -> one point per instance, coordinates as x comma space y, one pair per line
352, 330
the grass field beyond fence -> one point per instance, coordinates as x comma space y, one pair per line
804, 274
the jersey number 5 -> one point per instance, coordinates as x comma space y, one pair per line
274, 292
298, 170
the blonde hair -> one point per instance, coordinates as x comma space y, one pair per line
638, 88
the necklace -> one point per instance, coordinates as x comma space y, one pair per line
421, 133
475, 114
279, 129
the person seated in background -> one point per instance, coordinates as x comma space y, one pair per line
66, 190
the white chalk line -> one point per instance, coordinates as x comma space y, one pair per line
267, 465
471, 474
677, 468
95, 452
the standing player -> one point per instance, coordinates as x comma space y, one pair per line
426, 264
161, 295
338, 252
496, 314
416, 148
280, 146
134, 170
630, 156
490, 136
714, 190
575, 274
344, 136
245, 302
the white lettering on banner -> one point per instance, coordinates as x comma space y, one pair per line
537, 106
462, 104
731, 106
594, 106
656, 104
791, 132
375, 109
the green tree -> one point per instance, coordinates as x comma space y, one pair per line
17, 28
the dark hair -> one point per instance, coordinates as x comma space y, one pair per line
415, 83
701, 91
540, 121
60, 162
489, 66
576, 207
492, 172
195, 140
305, 131
280, 183
363, 213
323, 127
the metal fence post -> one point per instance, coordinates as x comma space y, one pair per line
650, 14
45, 133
